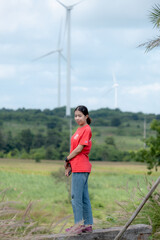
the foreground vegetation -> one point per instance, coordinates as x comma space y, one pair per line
45, 185
151, 153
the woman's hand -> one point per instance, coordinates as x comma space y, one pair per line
66, 164
68, 171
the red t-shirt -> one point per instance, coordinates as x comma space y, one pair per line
82, 136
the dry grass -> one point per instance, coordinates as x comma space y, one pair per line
18, 224
121, 168
150, 213
47, 166
30, 166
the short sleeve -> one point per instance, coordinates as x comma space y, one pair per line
86, 137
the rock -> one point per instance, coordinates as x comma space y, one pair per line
134, 232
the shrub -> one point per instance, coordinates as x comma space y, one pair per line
52, 153
24, 155
13, 153
110, 141
37, 157
96, 153
149, 214
151, 154
1, 154
38, 154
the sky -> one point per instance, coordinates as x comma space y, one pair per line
105, 36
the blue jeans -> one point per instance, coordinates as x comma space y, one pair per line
80, 198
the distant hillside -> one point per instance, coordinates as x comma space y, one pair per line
101, 117
44, 134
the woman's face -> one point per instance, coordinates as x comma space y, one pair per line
80, 118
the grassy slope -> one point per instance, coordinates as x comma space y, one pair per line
125, 137
17, 127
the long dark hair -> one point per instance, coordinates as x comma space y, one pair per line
84, 110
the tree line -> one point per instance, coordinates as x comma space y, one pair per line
101, 117
45, 133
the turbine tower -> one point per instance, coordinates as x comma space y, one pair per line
68, 19
115, 86
144, 131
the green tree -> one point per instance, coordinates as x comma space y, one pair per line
55, 123
111, 153
9, 142
106, 152
155, 19
115, 122
2, 141
151, 154
53, 137
96, 152
27, 139
52, 153
38, 141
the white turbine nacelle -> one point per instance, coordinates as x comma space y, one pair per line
115, 85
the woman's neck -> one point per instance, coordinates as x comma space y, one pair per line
83, 125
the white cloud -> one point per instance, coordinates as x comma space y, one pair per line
83, 89
100, 14
6, 71
104, 38
143, 90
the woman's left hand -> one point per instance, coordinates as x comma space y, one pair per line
66, 164
68, 171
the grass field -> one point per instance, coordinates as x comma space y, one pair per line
45, 184
126, 138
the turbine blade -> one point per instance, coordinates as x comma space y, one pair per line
109, 90
114, 78
71, 6
64, 58
65, 28
77, 3
45, 55
59, 37
62, 4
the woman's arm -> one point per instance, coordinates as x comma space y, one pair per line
74, 153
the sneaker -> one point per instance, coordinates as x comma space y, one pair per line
76, 229
87, 229
69, 229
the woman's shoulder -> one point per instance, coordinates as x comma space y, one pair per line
86, 128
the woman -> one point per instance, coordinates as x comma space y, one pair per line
81, 167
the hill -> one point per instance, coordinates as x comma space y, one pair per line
44, 134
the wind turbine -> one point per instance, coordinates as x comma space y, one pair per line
68, 20
60, 55
68, 95
115, 86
